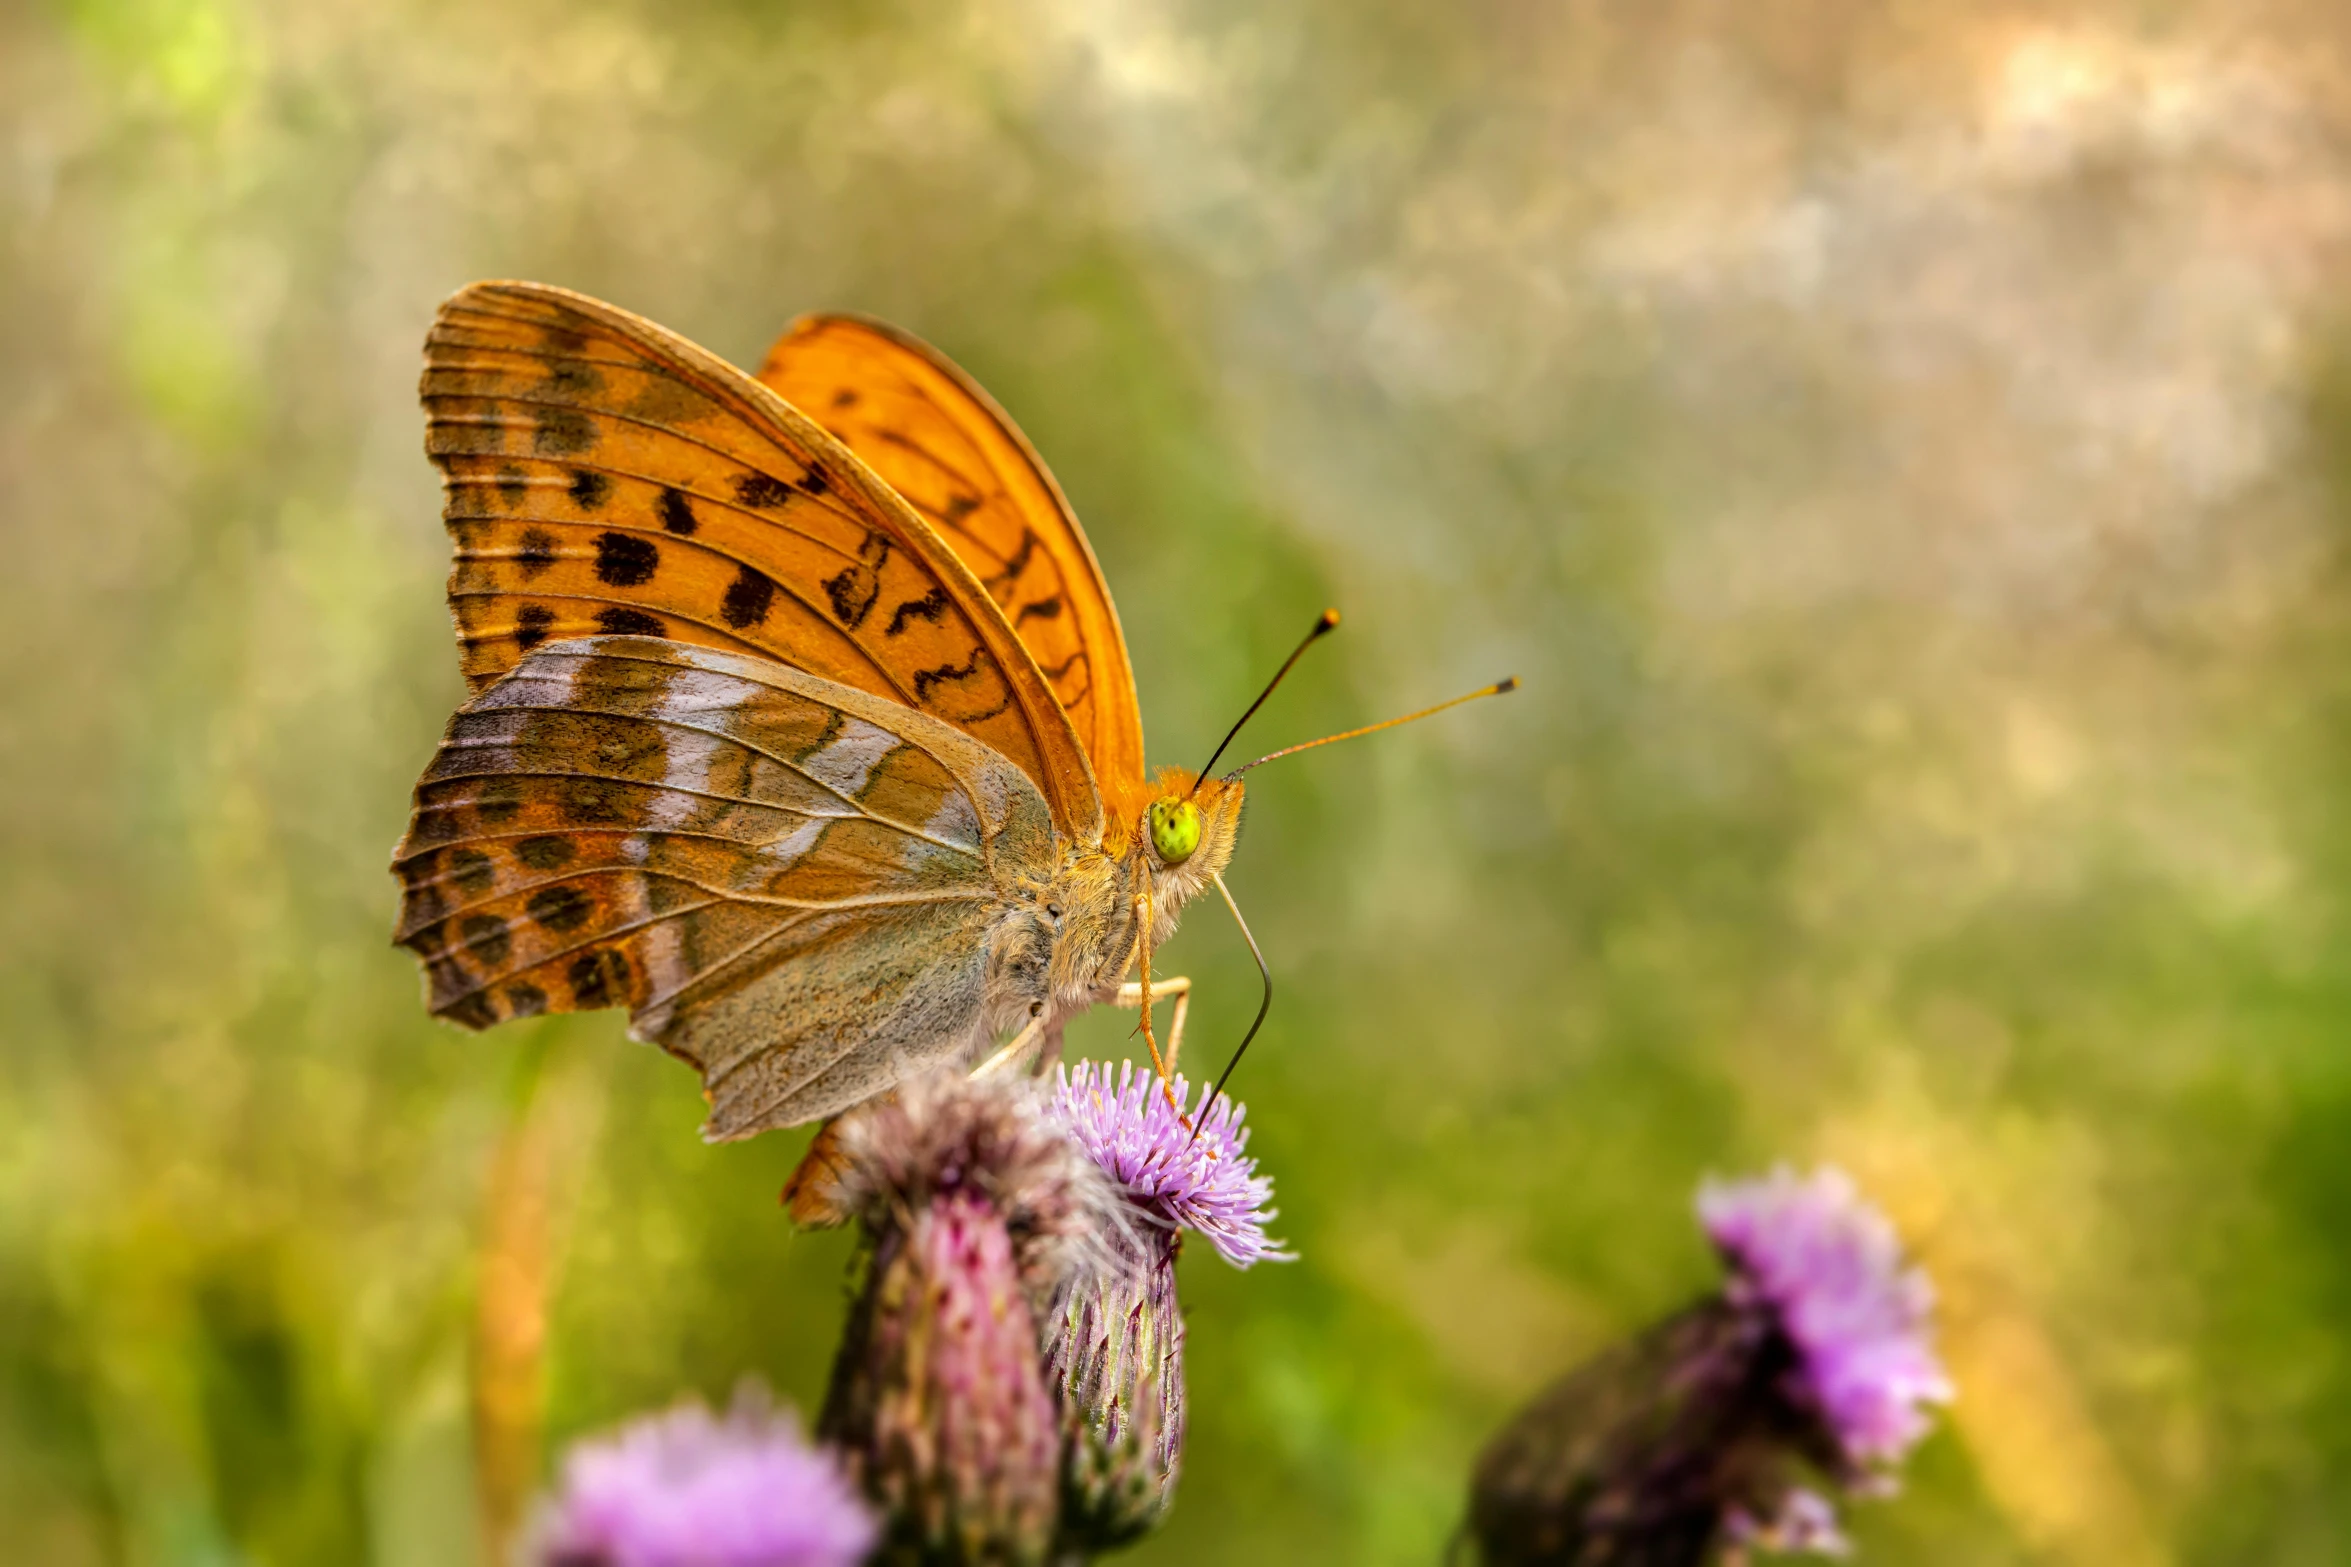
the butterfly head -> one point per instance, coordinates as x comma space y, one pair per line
1187, 832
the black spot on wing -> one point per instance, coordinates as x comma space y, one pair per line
1043, 609
762, 490
514, 486
561, 432
588, 488
1085, 684
537, 552
531, 624
961, 506
568, 377
486, 941
852, 593
928, 680
597, 979
619, 622
561, 909
526, 1000
677, 513
472, 871
814, 482
929, 607
499, 800
1017, 564
473, 1009
624, 560
422, 903
748, 598
544, 854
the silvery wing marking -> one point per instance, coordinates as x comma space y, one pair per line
803, 889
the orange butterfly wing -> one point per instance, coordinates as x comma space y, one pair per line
607, 477
958, 459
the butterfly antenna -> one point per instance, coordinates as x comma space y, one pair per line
1263, 1006
1496, 689
1328, 622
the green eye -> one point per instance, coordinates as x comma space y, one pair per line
1175, 830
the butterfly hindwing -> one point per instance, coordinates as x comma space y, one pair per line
958, 459
793, 884
606, 477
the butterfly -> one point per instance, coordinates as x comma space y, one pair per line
802, 723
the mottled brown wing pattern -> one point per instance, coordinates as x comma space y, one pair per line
606, 477
944, 444
787, 881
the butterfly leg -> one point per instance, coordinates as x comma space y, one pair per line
1021, 1044
1130, 994
1142, 988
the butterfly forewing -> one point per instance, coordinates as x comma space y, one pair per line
606, 477
958, 459
787, 881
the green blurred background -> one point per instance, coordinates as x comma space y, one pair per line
1902, 447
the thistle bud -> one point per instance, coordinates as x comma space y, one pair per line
1115, 1352
1698, 1437
975, 1208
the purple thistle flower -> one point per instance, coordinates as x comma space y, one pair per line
1202, 1183
691, 1489
1830, 1269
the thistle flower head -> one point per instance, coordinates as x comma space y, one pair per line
1703, 1436
1828, 1267
692, 1489
988, 1138
1204, 1183
977, 1210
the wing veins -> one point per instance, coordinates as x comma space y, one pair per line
754, 422
907, 443
753, 649
560, 953
535, 355
854, 804
718, 895
558, 482
712, 971
612, 832
699, 794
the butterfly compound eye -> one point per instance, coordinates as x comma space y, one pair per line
1175, 829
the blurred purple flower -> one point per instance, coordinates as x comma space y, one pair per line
1202, 1183
1829, 1268
1706, 1435
1806, 1524
691, 1489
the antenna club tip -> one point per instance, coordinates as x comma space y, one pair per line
1506, 684
1330, 619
